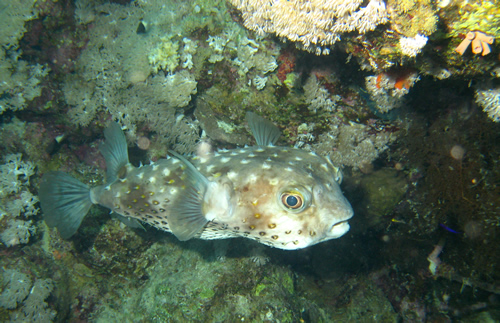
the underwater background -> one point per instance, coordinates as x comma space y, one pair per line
404, 95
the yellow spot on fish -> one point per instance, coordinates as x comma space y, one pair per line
275, 237
134, 201
127, 192
288, 232
217, 175
143, 196
262, 233
146, 204
129, 206
151, 193
156, 202
257, 215
271, 225
312, 233
252, 227
255, 202
137, 187
171, 181
296, 242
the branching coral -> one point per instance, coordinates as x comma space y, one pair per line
314, 24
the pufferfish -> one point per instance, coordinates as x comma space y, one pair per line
282, 197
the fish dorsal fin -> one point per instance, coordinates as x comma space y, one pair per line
114, 150
264, 131
187, 218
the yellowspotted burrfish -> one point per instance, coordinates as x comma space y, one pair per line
283, 197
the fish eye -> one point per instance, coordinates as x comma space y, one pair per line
292, 200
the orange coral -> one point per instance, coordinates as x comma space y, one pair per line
480, 43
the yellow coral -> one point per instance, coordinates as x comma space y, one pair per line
483, 16
165, 57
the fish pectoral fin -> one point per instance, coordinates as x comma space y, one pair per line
264, 131
187, 218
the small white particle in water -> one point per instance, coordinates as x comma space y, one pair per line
209, 168
244, 161
118, 194
251, 155
140, 175
225, 160
234, 153
312, 153
166, 171
175, 161
155, 166
152, 179
273, 181
266, 166
259, 150
173, 190
242, 150
288, 169
252, 178
298, 158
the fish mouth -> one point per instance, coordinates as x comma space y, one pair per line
338, 229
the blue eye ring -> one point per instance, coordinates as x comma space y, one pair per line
292, 200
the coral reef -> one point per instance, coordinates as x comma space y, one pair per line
489, 100
20, 80
316, 25
411, 120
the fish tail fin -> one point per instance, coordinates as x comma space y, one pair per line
114, 150
65, 201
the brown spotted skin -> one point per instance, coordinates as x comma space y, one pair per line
259, 177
